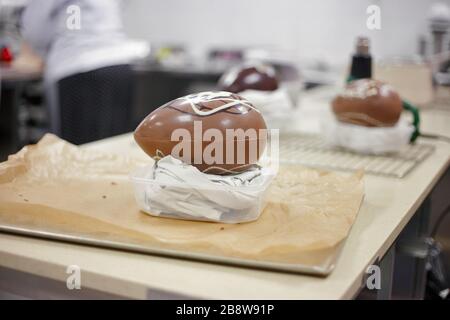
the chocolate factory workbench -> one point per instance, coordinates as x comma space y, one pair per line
388, 206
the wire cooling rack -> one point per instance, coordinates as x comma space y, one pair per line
312, 151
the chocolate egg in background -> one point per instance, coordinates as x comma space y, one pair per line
188, 119
369, 103
255, 77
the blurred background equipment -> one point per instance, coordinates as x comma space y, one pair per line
439, 23
172, 56
10, 12
223, 58
361, 66
5, 54
23, 117
439, 19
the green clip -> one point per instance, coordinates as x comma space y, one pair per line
416, 119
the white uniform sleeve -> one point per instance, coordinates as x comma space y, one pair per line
38, 25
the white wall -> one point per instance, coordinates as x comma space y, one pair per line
309, 29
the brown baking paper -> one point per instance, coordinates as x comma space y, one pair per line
55, 186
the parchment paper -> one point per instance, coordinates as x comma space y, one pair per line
56, 186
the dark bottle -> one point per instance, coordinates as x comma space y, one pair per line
361, 61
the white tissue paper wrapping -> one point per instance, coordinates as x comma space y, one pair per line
367, 140
171, 188
276, 106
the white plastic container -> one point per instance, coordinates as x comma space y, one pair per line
367, 140
191, 201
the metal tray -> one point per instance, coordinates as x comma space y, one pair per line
318, 270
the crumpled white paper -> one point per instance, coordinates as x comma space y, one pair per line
172, 188
367, 140
269, 101
276, 106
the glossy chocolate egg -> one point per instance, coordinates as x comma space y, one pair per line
258, 77
217, 132
368, 102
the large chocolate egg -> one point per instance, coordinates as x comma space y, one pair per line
368, 103
257, 77
217, 132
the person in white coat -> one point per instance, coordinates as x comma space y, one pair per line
87, 57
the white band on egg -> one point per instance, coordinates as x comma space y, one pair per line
209, 96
